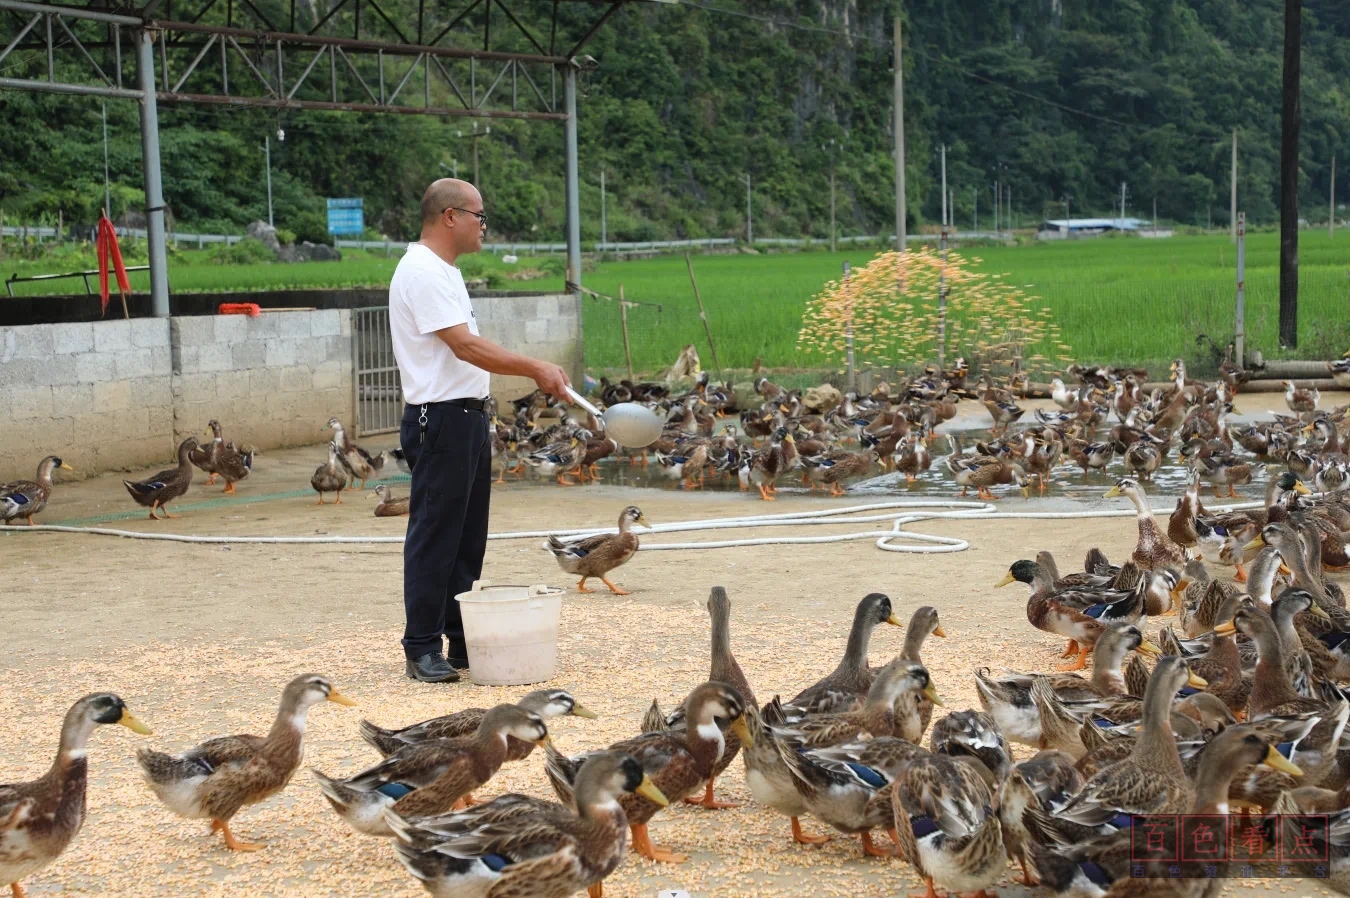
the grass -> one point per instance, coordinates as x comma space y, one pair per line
1116, 300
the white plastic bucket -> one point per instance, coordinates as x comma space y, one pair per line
511, 632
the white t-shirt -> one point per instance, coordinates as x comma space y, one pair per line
427, 294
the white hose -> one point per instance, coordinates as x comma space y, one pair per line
898, 513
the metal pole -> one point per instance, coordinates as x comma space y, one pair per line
1331, 216
1232, 197
1008, 219
1122, 205
107, 188
749, 216
267, 151
604, 224
623, 318
154, 190
1068, 221
1155, 216
573, 189
899, 114
942, 272
998, 202
833, 241
975, 215
848, 337
1240, 338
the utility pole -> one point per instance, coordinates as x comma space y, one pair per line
1232, 198
475, 135
604, 223
942, 272
1289, 127
833, 241
1155, 216
900, 236
1331, 217
998, 204
107, 189
1008, 222
975, 214
1068, 222
749, 219
267, 153
1240, 338
1122, 205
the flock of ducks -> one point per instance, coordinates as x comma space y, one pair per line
1242, 709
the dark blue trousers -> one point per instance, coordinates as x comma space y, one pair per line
451, 465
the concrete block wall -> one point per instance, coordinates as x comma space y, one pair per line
96, 394
271, 381
543, 327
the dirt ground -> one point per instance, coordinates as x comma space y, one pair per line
199, 639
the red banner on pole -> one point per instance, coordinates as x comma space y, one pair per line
107, 248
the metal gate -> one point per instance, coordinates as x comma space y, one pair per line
379, 394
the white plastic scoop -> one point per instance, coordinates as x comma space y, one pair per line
634, 426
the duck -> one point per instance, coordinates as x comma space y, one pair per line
848, 786
848, 684
1079, 616
26, 498
922, 624
1154, 549
230, 463
723, 668
360, 464
557, 460
983, 473
329, 477
1009, 700
547, 703
156, 491
891, 709
596, 556
1181, 525
973, 734
1091, 456
519, 845
912, 458
1301, 401
1047, 781
433, 777
1145, 456
948, 830
678, 763
1339, 369
767, 776
39, 819
1223, 471
390, 506
765, 466
218, 778
833, 469
1101, 865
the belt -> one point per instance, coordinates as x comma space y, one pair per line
472, 405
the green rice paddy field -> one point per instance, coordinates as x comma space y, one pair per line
1116, 300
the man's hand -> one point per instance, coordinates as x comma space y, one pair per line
552, 380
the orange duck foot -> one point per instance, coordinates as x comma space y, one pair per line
802, 838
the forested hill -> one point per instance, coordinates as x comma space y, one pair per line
1052, 97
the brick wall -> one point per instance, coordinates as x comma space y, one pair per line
113, 395
271, 381
98, 395
542, 327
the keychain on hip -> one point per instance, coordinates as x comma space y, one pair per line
422, 425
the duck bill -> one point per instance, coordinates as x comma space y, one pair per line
647, 789
133, 723
1279, 762
545, 742
1112, 493
1284, 569
894, 621
579, 711
1227, 628
742, 731
1301, 488
1255, 544
938, 631
1149, 650
930, 692
65, 467
1316, 611
341, 699
1197, 682
1007, 578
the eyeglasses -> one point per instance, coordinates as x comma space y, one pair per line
482, 219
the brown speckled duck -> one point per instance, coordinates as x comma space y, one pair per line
1154, 549
596, 556
25, 498
218, 778
158, 490
39, 819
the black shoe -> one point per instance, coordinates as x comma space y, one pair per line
431, 668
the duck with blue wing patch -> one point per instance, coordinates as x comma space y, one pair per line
25, 498
521, 847
947, 828
596, 556
158, 490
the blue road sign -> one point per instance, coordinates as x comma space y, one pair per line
346, 216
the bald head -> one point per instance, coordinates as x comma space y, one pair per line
445, 193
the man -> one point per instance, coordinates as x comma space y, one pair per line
445, 432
